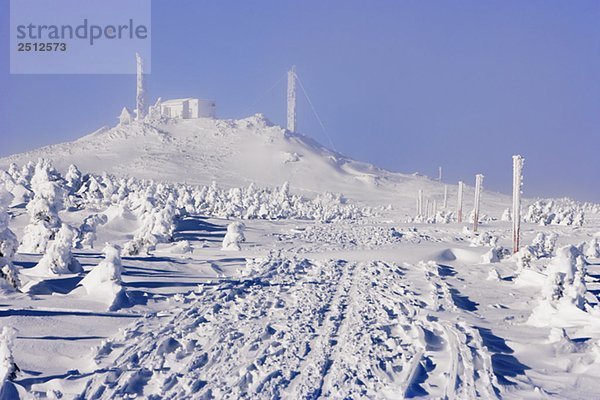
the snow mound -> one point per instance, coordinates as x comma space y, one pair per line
103, 282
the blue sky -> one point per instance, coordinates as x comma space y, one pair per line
406, 85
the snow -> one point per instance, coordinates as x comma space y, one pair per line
334, 289
103, 282
234, 236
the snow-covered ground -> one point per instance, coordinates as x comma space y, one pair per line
327, 296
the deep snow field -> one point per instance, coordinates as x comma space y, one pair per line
334, 297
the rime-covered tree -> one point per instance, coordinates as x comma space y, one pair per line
234, 236
43, 209
73, 179
58, 258
87, 231
8, 242
103, 282
8, 367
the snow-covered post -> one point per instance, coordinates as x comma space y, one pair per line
477, 201
140, 111
459, 203
434, 207
420, 203
439, 174
445, 197
516, 214
291, 100
417, 207
427, 208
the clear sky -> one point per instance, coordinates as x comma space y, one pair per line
406, 85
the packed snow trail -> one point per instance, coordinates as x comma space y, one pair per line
301, 329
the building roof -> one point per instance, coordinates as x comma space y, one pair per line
177, 101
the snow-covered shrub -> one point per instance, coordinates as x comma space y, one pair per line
8, 368
543, 244
592, 248
564, 291
86, 235
555, 212
43, 209
157, 226
506, 215
524, 258
58, 258
566, 273
484, 239
8, 242
73, 179
103, 282
234, 236
495, 254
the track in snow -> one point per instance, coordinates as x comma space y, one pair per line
304, 329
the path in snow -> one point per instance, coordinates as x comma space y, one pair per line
305, 329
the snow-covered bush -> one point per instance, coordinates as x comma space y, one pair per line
43, 209
484, 239
506, 215
555, 212
103, 282
543, 244
495, 254
566, 273
234, 236
157, 226
86, 235
592, 248
73, 179
564, 291
58, 258
8, 368
8, 242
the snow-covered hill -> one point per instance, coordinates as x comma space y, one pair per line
236, 153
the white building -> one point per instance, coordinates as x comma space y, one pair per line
188, 108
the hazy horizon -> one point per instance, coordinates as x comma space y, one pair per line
407, 86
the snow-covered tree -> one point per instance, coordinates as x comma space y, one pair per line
43, 209
87, 231
566, 278
58, 258
8, 242
592, 248
73, 179
8, 368
234, 236
103, 282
